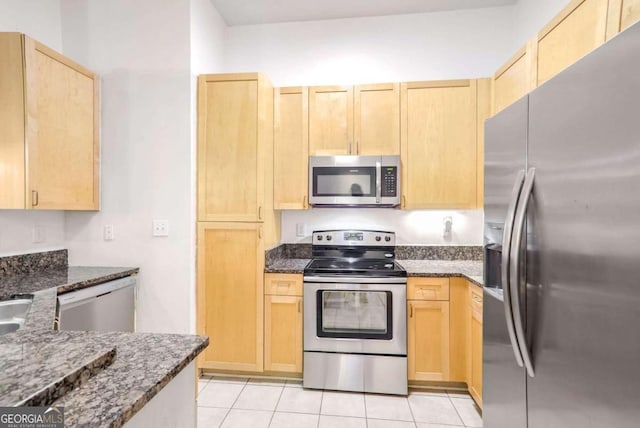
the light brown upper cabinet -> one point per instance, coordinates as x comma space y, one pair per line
377, 119
235, 145
49, 144
291, 148
439, 129
360, 120
621, 14
330, 120
515, 78
573, 33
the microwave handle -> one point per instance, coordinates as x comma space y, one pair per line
378, 182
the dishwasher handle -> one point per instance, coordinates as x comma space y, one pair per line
75, 297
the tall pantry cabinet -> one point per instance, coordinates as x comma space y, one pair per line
236, 220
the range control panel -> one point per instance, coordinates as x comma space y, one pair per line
354, 238
389, 181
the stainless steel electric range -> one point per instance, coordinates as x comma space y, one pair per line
355, 305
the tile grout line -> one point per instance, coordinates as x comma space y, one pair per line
320, 409
456, 409
415, 423
234, 402
275, 409
366, 415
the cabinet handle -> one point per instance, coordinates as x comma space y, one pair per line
283, 284
404, 202
299, 306
410, 310
260, 212
34, 198
304, 202
349, 147
357, 147
260, 232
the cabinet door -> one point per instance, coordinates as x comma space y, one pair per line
283, 334
61, 132
230, 163
12, 135
475, 381
576, 31
230, 295
516, 78
428, 340
377, 119
439, 153
291, 149
331, 120
621, 15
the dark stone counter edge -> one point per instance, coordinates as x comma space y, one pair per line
283, 270
444, 275
65, 288
134, 408
70, 381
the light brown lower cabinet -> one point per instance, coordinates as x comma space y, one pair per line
428, 340
475, 345
283, 323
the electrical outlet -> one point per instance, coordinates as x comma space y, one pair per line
109, 234
300, 229
39, 234
160, 227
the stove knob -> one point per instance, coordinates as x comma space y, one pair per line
328, 237
378, 238
387, 238
319, 237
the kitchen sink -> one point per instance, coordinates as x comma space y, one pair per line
9, 326
14, 308
13, 313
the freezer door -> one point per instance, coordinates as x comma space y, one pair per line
504, 387
583, 254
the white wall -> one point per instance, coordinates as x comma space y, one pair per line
443, 45
530, 16
141, 51
39, 19
411, 227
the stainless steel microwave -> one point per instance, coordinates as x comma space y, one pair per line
367, 181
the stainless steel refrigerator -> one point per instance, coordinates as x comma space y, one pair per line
562, 249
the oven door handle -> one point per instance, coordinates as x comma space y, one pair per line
355, 280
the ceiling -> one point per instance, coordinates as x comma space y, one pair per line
245, 12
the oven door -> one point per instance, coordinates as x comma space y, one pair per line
362, 316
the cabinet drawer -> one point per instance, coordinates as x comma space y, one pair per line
475, 301
428, 289
283, 284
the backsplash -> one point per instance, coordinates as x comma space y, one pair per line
439, 252
34, 262
403, 252
425, 228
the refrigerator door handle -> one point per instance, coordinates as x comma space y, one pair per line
506, 245
514, 269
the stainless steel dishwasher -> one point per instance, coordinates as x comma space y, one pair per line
109, 306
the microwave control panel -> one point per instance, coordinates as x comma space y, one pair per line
389, 181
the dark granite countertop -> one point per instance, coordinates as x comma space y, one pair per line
63, 279
102, 379
470, 269
287, 266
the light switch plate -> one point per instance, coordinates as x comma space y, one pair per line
39, 234
300, 230
160, 227
109, 234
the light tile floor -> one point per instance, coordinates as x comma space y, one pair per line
248, 403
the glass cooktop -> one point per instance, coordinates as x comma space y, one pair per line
360, 267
